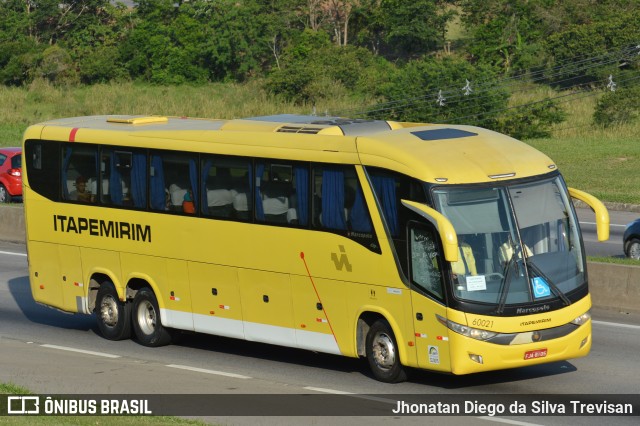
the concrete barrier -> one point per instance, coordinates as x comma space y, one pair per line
12, 226
612, 286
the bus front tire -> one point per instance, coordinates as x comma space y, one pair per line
382, 353
146, 320
114, 316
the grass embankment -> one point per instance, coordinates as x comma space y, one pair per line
603, 162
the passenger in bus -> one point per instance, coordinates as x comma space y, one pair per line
187, 205
81, 193
466, 264
506, 252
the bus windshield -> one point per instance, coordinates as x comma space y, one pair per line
518, 244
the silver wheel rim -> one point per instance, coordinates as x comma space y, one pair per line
634, 251
147, 317
109, 311
384, 351
3, 194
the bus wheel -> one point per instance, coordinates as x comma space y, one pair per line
382, 353
114, 316
146, 320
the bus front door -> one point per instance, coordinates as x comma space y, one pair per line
427, 298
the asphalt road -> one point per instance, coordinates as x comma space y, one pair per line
51, 352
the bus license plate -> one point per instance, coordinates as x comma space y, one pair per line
538, 353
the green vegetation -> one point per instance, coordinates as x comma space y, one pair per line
615, 260
11, 389
602, 161
539, 70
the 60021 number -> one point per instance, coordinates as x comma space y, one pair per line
479, 322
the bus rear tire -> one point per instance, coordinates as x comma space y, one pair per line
146, 320
114, 316
382, 353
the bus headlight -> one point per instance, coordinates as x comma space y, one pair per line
582, 318
474, 333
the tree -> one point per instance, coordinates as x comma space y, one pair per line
504, 33
401, 29
604, 48
314, 68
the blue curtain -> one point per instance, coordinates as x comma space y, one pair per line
65, 167
157, 197
115, 181
359, 215
302, 194
193, 177
333, 199
386, 191
204, 175
139, 180
258, 199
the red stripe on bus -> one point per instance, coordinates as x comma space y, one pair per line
72, 134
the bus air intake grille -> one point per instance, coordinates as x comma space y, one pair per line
299, 129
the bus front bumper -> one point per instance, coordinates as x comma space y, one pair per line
473, 356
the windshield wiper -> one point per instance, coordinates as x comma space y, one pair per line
550, 283
505, 286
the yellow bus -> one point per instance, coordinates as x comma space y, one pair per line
442, 247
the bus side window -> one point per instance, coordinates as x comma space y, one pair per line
338, 200
123, 177
44, 173
329, 197
283, 192
79, 172
173, 182
224, 187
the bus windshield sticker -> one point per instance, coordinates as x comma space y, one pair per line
540, 287
476, 282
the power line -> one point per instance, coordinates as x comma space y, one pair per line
449, 95
586, 93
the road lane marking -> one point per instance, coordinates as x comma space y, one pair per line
202, 370
508, 421
617, 324
324, 390
12, 253
593, 223
82, 351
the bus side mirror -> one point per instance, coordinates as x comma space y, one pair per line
602, 215
445, 229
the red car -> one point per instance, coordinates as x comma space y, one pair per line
10, 174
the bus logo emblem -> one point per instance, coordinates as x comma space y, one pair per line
341, 262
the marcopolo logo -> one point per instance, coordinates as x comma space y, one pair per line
341, 262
